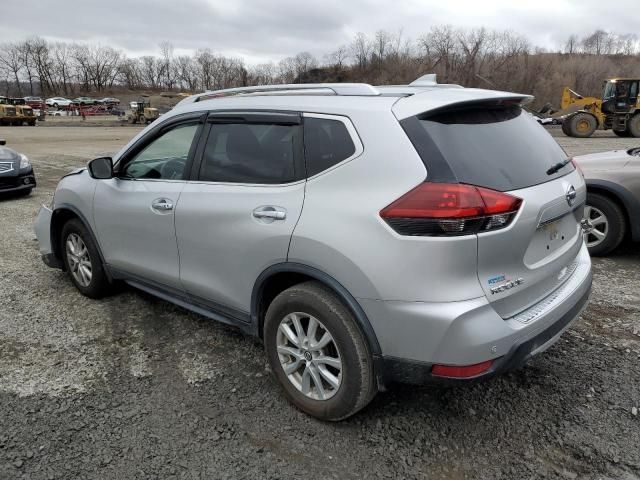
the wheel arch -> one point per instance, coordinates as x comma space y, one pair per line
279, 277
630, 206
61, 215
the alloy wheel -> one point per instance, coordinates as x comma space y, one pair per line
597, 226
309, 356
78, 259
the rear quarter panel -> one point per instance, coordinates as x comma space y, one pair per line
341, 233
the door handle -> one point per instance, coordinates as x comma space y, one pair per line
162, 204
270, 213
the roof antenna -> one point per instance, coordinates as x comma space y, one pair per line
427, 80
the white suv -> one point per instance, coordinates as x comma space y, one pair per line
367, 234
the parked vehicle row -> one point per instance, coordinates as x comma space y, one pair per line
366, 234
57, 102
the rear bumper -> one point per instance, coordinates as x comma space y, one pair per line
406, 371
415, 335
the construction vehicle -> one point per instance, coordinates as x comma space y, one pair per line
142, 112
617, 110
8, 114
26, 115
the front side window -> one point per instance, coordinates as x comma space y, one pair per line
165, 157
251, 153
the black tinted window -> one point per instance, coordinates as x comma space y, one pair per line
326, 143
502, 148
251, 153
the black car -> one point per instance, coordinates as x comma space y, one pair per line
16, 173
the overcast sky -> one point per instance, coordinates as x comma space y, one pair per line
264, 30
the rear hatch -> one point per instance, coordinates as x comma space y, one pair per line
495, 145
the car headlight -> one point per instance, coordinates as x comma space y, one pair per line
24, 161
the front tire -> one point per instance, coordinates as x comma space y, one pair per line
82, 260
582, 125
606, 224
317, 352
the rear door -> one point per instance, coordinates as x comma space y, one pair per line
496, 145
236, 217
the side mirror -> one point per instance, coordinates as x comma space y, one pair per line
3, 141
101, 168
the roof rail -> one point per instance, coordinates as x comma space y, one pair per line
353, 89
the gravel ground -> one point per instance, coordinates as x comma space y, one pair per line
133, 387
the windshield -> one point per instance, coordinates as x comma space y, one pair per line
609, 90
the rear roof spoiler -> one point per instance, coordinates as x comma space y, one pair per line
431, 100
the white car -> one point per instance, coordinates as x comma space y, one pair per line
58, 102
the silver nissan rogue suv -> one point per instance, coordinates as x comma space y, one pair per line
418, 233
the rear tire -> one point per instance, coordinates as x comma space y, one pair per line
582, 125
604, 237
633, 126
347, 389
79, 254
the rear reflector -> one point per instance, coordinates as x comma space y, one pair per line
466, 371
441, 209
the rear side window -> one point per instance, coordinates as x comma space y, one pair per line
498, 147
326, 143
251, 153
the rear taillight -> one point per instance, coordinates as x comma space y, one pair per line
442, 209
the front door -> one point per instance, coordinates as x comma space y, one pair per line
236, 217
134, 212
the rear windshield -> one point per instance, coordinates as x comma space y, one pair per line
498, 147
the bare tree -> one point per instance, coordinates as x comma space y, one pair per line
360, 50
166, 53
572, 44
338, 57
500, 59
186, 72
596, 43
13, 62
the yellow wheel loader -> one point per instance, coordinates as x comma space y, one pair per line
143, 113
617, 110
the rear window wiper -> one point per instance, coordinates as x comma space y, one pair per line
558, 166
